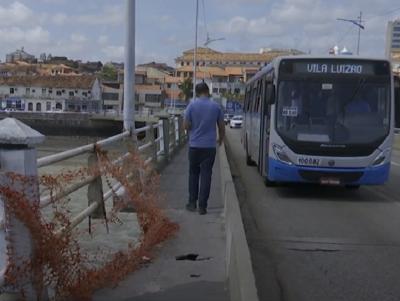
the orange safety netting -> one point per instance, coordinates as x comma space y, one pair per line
58, 262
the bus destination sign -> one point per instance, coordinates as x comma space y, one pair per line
351, 68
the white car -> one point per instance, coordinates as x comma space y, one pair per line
236, 122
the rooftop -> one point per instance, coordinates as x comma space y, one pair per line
159, 66
173, 80
212, 55
218, 71
148, 88
59, 81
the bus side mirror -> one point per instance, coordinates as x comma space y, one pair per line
271, 94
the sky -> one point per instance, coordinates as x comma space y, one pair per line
94, 29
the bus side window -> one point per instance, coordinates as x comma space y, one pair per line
270, 93
249, 103
256, 98
262, 94
248, 99
253, 98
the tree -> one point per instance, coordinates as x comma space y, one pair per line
109, 72
234, 96
186, 88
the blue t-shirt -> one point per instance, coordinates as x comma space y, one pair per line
203, 114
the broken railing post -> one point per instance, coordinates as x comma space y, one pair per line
95, 190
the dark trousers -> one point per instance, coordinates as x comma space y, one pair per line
201, 161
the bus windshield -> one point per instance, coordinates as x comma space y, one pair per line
336, 112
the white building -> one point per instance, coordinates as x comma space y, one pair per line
50, 93
393, 41
19, 55
112, 97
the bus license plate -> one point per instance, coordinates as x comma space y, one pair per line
330, 181
306, 161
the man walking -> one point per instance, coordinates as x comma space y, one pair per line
202, 117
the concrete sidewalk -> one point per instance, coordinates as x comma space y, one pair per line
166, 278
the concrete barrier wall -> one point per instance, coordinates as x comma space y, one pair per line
239, 270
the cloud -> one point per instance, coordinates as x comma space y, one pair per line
305, 24
113, 52
53, 1
110, 15
241, 25
78, 38
14, 35
15, 14
103, 40
241, 1
59, 19
84, 29
166, 18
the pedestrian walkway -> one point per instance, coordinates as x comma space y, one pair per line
166, 278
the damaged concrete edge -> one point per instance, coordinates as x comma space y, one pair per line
241, 280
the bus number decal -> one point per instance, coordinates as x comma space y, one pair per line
307, 161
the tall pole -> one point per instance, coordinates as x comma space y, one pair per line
359, 33
358, 23
129, 67
195, 49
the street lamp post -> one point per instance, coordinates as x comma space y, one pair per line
358, 23
129, 67
208, 42
195, 48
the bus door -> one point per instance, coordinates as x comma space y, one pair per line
397, 101
266, 113
247, 119
250, 129
262, 128
256, 123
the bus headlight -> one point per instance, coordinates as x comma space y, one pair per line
281, 155
381, 158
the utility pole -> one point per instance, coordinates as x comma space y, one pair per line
358, 23
359, 32
129, 67
208, 42
195, 49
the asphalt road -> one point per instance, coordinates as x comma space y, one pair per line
309, 242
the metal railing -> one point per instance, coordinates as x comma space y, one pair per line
154, 147
156, 142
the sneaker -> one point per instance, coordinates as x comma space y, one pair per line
202, 211
191, 207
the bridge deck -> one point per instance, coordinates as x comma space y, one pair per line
168, 279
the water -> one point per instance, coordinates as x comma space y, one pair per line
120, 234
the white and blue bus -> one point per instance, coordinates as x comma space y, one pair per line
327, 120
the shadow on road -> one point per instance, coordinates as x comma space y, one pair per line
324, 193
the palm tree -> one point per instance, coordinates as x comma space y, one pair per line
186, 88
